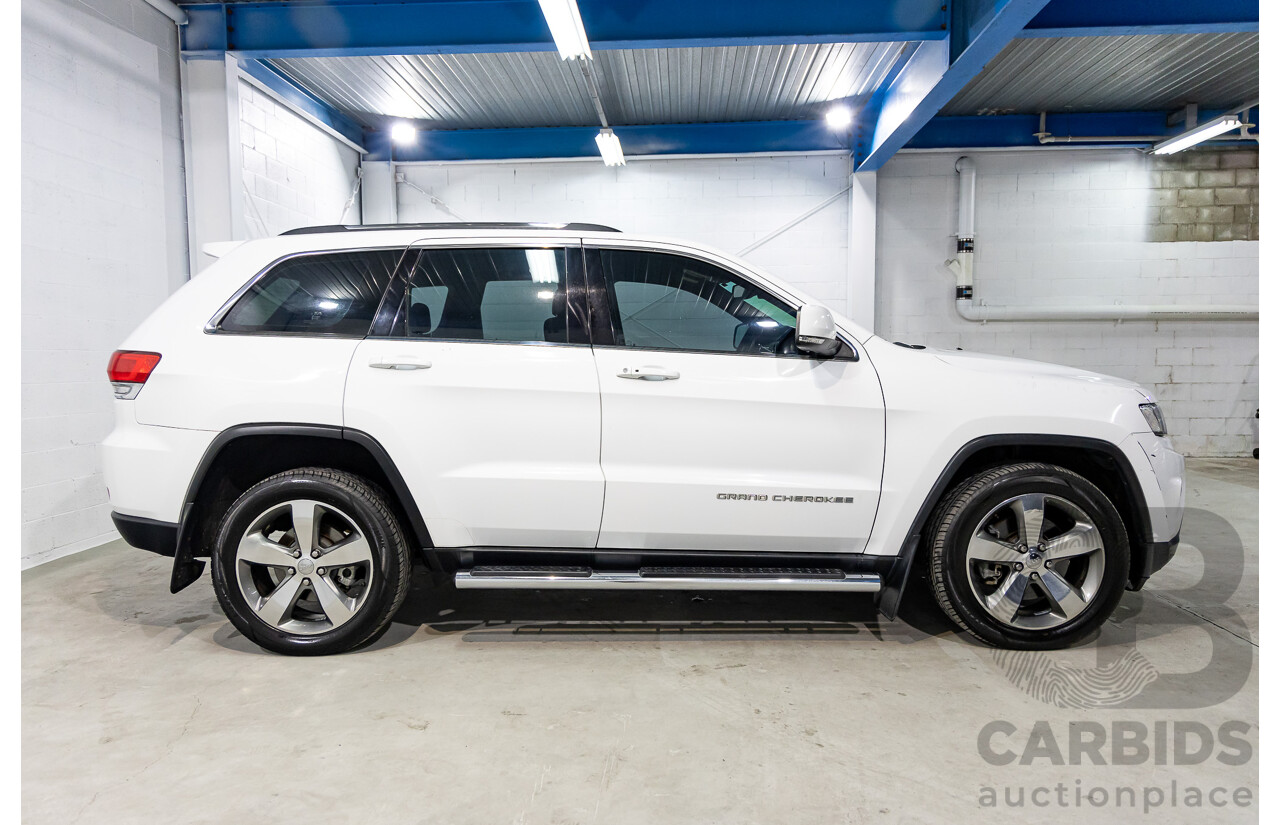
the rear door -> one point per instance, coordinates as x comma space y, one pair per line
479, 381
717, 433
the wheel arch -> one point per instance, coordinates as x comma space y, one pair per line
241, 456
1101, 462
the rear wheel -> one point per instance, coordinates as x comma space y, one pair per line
311, 561
1029, 556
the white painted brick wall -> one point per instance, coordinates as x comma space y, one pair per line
725, 203
294, 173
103, 240
1070, 227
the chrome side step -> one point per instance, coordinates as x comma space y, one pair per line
502, 577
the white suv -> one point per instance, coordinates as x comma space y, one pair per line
567, 406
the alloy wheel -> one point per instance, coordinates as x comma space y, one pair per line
1035, 561
304, 567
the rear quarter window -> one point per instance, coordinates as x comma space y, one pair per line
332, 293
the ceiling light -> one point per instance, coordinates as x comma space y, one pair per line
404, 133
610, 148
1201, 133
565, 23
839, 117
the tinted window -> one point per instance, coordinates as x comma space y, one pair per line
668, 301
330, 294
488, 294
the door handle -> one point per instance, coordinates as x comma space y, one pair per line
399, 362
649, 374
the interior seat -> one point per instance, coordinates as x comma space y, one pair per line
553, 329
419, 319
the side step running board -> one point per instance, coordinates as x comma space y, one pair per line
511, 577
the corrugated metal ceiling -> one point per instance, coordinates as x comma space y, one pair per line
1100, 74
638, 86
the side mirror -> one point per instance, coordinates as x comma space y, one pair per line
816, 331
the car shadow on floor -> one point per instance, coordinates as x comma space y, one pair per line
563, 615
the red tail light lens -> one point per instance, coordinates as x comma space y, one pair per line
131, 367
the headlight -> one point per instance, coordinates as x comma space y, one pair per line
1155, 418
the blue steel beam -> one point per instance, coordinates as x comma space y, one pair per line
996, 131
303, 100
304, 28
579, 141
1078, 18
940, 69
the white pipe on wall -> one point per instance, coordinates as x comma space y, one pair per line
169, 10
1106, 312
962, 266
968, 196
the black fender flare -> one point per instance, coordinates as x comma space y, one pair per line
896, 581
187, 568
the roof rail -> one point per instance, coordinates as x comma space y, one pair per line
573, 227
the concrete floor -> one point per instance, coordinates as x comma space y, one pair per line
483, 707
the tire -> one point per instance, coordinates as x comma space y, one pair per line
1014, 593
279, 592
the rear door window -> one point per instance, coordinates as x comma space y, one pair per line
331, 293
503, 294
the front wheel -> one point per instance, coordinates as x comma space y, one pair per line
1028, 556
311, 561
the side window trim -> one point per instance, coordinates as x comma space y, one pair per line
602, 311
390, 310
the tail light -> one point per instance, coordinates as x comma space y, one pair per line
128, 371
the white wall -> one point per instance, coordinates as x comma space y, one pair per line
103, 240
1072, 227
726, 203
294, 173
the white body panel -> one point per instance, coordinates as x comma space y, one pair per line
218, 381
673, 450
148, 469
499, 443
937, 401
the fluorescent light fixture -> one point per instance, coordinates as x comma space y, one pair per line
610, 148
1201, 133
542, 266
403, 133
839, 117
565, 23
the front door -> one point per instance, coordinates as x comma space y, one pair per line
717, 434
483, 389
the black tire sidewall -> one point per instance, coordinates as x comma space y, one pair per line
355, 503
1073, 488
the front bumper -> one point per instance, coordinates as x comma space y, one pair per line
1166, 504
1165, 489
1157, 556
